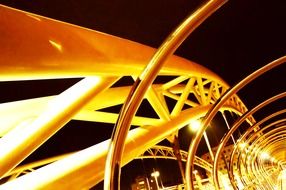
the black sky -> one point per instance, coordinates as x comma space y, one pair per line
239, 38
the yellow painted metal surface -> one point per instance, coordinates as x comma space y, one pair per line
35, 47
30, 50
85, 168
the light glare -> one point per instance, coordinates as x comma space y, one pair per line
264, 155
242, 145
195, 125
56, 45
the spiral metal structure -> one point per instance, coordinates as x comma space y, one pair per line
34, 47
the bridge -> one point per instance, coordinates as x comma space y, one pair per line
145, 96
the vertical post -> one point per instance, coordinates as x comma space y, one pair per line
226, 122
176, 150
194, 126
209, 146
156, 174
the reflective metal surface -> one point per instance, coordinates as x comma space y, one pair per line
113, 162
249, 155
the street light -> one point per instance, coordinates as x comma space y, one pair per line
156, 174
194, 126
198, 179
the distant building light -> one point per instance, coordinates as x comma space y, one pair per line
264, 156
141, 182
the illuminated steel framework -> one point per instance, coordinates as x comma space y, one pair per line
159, 152
34, 47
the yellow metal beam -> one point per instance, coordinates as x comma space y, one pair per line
35, 47
23, 140
30, 50
85, 168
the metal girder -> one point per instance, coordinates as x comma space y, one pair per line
85, 168
161, 152
168, 153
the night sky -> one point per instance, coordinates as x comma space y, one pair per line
239, 38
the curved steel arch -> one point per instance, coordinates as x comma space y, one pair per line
103, 60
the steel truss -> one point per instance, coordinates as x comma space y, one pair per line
102, 61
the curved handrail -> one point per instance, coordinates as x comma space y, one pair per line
211, 113
234, 127
113, 161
